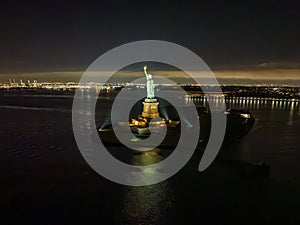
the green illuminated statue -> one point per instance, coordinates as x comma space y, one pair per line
150, 84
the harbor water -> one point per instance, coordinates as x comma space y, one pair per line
45, 180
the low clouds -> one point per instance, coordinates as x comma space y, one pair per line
224, 76
279, 65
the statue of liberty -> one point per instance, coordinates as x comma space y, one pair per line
150, 84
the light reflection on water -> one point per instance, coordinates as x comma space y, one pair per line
252, 103
148, 204
289, 107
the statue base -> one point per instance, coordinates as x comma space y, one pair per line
150, 108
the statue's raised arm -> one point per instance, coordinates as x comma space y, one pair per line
145, 71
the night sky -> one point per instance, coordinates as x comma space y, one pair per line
45, 36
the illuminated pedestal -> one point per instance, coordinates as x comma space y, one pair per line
150, 108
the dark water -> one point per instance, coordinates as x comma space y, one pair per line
44, 179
